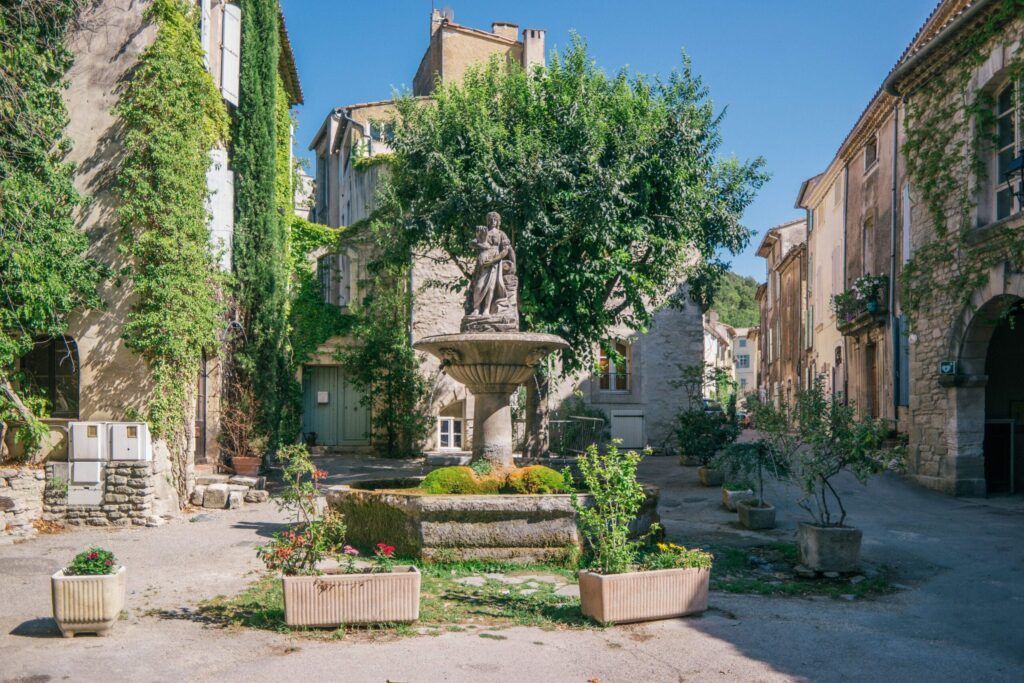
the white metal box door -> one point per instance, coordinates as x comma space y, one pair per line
86, 472
628, 425
130, 441
89, 440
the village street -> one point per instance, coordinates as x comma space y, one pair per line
954, 615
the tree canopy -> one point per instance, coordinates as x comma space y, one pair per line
734, 300
610, 187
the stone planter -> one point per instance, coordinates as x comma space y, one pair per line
829, 548
731, 498
753, 516
332, 600
507, 527
709, 477
87, 604
246, 467
644, 596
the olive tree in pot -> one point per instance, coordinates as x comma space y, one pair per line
703, 430
626, 582
754, 461
833, 440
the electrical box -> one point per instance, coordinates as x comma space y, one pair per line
130, 441
85, 495
86, 472
89, 440
323, 397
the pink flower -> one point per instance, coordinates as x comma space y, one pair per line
349, 550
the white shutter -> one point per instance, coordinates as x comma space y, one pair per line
906, 223
628, 425
204, 31
231, 50
220, 202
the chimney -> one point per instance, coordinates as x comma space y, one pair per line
436, 20
505, 30
533, 47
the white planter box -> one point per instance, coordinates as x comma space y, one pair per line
644, 596
87, 604
332, 600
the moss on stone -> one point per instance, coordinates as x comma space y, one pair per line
458, 480
536, 479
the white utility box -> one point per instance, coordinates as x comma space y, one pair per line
85, 495
86, 472
89, 441
130, 441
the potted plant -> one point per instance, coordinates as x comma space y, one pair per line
351, 594
88, 595
735, 491
702, 430
622, 583
833, 439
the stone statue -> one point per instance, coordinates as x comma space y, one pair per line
491, 304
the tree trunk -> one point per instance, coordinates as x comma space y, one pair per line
3, 441
537, 442
26, 414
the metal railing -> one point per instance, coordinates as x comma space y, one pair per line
575, 435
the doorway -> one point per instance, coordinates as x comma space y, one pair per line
333, 413
871, 379
1004, 404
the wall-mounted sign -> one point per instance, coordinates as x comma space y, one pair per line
323, 397
947, 367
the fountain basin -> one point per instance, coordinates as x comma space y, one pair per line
519, 528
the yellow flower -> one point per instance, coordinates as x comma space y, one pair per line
662, 547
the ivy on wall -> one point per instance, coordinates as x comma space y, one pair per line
260, 240
173, 115
44, 274
950, 133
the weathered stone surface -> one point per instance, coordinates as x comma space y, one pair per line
256, 496
235, 499
197, 495
8, 504
207, 479
216, 496
248, 482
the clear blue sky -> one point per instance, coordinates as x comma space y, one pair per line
794, 74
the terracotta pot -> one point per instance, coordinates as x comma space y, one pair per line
332, 600
731, 497
829, 548
246, 467
709, 477
644, 596
753, 516
87, 604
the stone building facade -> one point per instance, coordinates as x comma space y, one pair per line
638, 399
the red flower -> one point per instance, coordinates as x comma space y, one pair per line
93, 555
385, 549
319, 474
109, 562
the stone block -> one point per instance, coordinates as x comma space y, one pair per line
207, 479
235, 499
197, 495
248, 482
8, 504
98, 521
121, 521
115, 498
116, 479
256, 496
8, 473
216, 496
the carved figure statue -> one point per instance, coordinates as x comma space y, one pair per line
492, 302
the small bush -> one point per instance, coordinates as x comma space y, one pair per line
537, 479
672, 556
92, 562
458, 480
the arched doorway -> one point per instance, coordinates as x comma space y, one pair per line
1004, 403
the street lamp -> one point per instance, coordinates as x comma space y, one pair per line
1014, 176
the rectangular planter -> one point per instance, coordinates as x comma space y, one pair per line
644, 596
731, 498
332, 600
87, 604
829, 548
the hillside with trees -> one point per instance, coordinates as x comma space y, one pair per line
735, 302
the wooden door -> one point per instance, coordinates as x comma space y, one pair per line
332, 408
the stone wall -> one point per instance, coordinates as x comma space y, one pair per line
21, 502
127, 498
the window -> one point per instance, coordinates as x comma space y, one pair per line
743, 343
743, 382
320, 207
867, 231
614, 373
743, 361
871, 152
333, 272
1008, 144
449, 433
51, 370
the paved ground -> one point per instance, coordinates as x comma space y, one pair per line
959, 616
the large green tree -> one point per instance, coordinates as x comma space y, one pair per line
44, 274
611, 188
734, 300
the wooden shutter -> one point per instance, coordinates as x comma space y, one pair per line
204, 31
231, 50
220, 204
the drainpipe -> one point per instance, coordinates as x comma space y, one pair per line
892, 269
846, 346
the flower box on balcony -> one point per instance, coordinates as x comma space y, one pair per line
863, 321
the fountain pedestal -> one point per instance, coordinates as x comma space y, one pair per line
492, 365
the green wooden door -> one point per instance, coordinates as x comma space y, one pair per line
333, 408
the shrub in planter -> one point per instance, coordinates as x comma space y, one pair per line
702, 433
536, 479
459, 480
622, 584
89, 594
755, 460
354, 595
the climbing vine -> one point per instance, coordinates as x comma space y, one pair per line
173, 115
950, 132
44, 273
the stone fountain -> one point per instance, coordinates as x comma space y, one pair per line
492, 358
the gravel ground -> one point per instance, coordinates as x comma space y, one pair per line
956, 616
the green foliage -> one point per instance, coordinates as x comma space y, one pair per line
313, 535
44, 275
672, 556
481, 467
734, 300
610, 478
700, 433
384, 367
537, 479
739, 461
607, 186
172, 115
92, 562
950, 130
260, 238
458, 480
